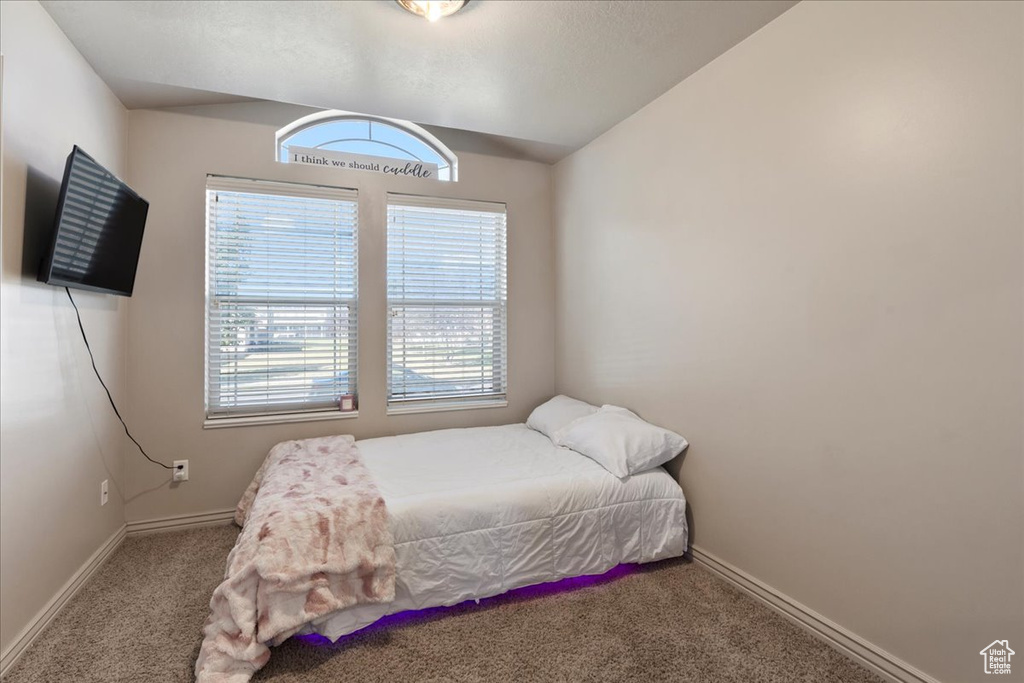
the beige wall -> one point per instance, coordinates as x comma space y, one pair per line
58, 436
170, 154
807, 258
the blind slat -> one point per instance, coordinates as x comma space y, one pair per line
282, 307
447, 292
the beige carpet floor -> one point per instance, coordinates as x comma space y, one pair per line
139, 620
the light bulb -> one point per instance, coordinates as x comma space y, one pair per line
432, 10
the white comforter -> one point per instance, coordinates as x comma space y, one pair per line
477, 512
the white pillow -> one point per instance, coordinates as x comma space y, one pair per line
620, 441
548, 418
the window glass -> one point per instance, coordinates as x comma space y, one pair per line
282, 289
446, 289
385, 138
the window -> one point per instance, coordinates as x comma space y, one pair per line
281, 297
374, 136
446, 303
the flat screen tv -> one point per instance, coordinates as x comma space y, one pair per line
97, 232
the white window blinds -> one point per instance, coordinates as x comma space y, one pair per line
281, 297
446, 279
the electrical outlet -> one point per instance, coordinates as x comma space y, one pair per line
104, 496
181, 470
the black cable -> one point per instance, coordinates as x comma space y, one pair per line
104, 385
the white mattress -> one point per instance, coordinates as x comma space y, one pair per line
477, 512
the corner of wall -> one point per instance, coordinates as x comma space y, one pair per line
59, 437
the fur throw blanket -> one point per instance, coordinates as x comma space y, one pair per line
314, 540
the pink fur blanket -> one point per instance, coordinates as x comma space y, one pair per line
314, 540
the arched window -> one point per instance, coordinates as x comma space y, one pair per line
377, 136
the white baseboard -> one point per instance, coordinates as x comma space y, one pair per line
211, 518
870, 655
57, 602
95, 561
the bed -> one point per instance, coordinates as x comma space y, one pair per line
477, 512
337, 534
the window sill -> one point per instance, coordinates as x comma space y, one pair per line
245, 421
412, 408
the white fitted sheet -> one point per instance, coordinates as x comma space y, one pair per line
477, 512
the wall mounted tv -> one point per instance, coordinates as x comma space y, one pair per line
97, 232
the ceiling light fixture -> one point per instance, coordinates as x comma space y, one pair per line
432, 10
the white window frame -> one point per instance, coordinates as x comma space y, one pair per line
282, 137
302, 414
430, 403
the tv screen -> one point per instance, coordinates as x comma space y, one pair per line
98, 230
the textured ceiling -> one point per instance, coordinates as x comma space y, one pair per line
558, 73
